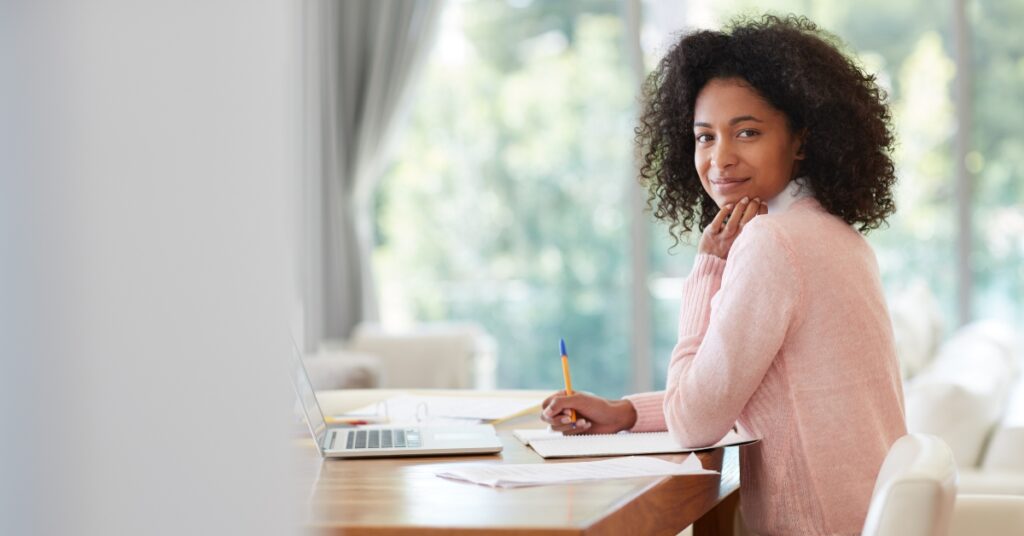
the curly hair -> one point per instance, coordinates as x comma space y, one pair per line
799, 70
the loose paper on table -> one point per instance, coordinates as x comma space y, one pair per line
445, 409
535, 474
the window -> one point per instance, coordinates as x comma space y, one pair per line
506, 204
996, 160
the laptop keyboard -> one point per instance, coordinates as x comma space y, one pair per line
388, 438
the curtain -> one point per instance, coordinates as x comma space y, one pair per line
362, 56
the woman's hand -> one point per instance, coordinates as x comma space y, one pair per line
594, 415
718, 237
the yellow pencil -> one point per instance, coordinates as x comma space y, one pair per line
568, 380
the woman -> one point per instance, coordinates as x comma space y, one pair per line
777, 145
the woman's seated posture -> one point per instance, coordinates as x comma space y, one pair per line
777, 147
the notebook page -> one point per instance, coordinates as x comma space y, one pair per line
554, 445
519, 475
606, 445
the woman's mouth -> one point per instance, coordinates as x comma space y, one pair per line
725, 186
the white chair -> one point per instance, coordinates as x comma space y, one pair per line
432, 355
991, 515
915, 489
343, 370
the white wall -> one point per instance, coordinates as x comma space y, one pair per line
149, 155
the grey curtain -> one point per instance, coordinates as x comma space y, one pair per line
362, 56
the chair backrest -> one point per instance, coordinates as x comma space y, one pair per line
434, 355
915, 489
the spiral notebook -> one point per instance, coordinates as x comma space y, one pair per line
551, 444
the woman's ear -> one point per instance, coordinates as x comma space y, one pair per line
801, 143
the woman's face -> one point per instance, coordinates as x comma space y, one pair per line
744, 146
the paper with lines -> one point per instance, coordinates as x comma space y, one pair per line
535, 474
551, 444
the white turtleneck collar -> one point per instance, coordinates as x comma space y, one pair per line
795, 190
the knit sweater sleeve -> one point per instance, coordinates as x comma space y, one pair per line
725, 350
700, 286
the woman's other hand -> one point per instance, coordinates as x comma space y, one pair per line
594, 415
718, 237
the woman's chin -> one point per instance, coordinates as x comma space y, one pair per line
732, 198
728, 200
736, 197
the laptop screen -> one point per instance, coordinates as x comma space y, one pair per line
307, 397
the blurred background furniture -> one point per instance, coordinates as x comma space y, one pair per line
970, 393
966, 389
915, 489
991, 515
434, 355
342, 369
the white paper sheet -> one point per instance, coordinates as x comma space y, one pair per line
520, 475
425, 409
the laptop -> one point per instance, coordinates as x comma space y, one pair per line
385, 441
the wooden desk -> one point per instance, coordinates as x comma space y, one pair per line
402, 496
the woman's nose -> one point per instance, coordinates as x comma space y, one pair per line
723, 155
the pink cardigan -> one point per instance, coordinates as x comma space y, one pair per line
791, 337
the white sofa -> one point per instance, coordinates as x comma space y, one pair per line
431, 355
968, 390
342, 369
988, 515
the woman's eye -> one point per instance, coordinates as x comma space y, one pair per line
703, 138
748, 133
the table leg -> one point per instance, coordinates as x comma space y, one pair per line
720, 520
